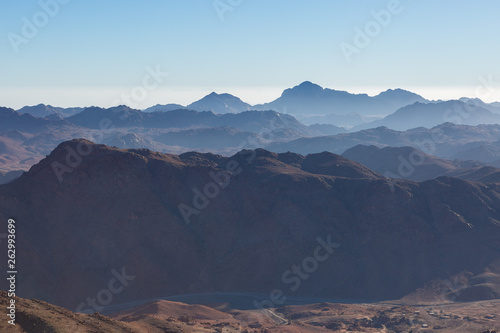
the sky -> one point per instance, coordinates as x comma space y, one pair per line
141, 53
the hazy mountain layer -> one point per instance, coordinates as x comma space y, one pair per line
433, 114
410, 163
443, 141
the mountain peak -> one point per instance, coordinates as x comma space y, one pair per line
309, 85
220, 103
398, 93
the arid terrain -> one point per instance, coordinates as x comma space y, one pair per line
232, 166
167, 316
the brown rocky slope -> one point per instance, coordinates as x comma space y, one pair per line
112, 228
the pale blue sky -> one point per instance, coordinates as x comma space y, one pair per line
92, 51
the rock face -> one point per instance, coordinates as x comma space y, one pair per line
112, 219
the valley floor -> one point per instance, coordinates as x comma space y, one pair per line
172, 316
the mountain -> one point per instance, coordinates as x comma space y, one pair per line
311, 99
493, 107
258, 122
327, 129
212, 137
42, 110
399, 98
407, 162
100, 118
183, 224
485, 174
12, 120
167, 309
166, 107
20, 149
341, 120
15, 156
432, 114
35, 316
442, 141
488, 152
133, 140
27, 139
262, 122
220, 103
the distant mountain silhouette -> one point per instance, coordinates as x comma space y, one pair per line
32, 138
311, 99
432, 114
42, 110
251, 121
211, 137
399, 97
326, 129
101, 118
493, 107
408, 162
341, 120
132, 140
220, 103
166, 107
12, 120
484, 151
443, 141
485, 174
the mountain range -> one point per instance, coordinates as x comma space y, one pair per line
42, 111
26, 139
311, 99
447, 140
310, 103
195, 223
433, 114
30, 133
413, 164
